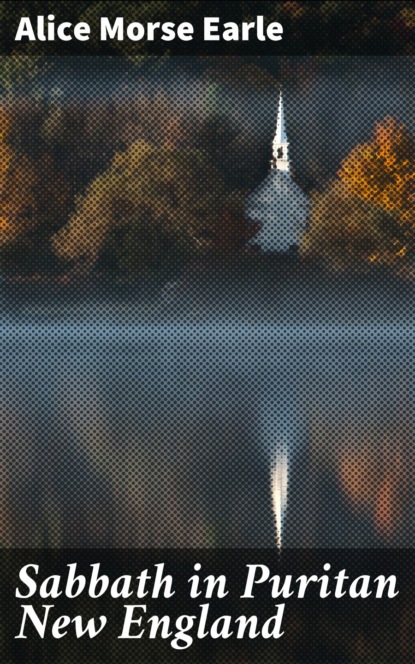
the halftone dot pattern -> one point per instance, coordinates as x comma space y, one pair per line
168, 381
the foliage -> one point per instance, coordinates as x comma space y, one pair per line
368, 215
348, 232
151, 197
341, 25
383, 170
34, 197
16, 69
6, 153
232, 233
215, 136
314, 27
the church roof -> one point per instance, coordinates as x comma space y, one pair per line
276, 184
282, 209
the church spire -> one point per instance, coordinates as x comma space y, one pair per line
280, 143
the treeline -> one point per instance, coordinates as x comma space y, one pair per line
366, 215
313, 26
136, 188
128, 188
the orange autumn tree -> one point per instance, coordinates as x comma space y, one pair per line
18, 176
34, 203
366, 216
6, 156
382, 172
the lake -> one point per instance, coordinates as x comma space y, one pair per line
126, 427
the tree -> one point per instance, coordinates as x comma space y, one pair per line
233, 233
383, 171
153, 202
34, 202
348, 232
17, 202
367, 216
6, 156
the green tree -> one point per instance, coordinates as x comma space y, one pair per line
34, 203
153, 204
348, 232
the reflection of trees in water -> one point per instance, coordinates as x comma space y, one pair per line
360, 458
149, 442
376, 478
178, 449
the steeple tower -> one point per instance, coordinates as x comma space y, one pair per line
280, 143
278, 191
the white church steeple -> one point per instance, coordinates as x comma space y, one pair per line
280, 143
278, 204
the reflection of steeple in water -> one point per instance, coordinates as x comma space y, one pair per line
279, 487
281, 435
